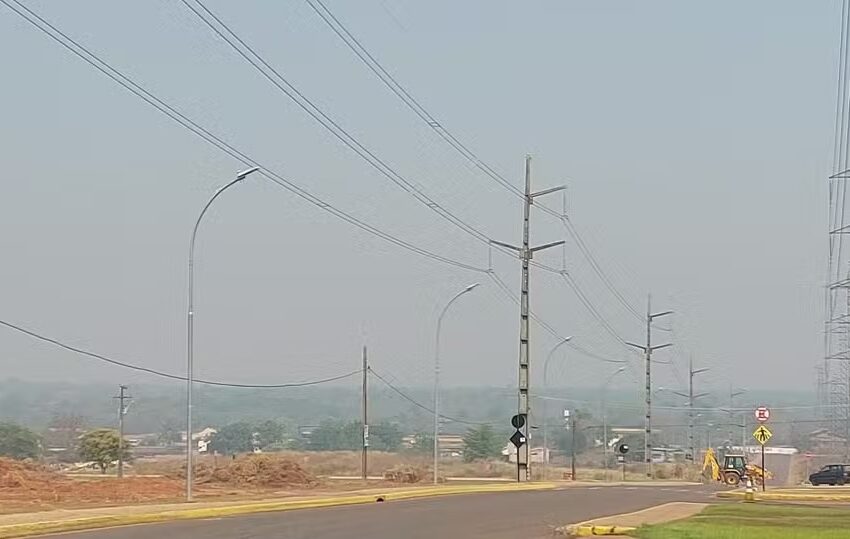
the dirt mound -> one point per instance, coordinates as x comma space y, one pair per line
16, 474
258, 470
32, 486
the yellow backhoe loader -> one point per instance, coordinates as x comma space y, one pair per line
735, 469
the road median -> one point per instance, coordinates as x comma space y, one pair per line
791, 495
75, 520
627, 523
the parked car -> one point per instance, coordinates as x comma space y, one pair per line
833, 474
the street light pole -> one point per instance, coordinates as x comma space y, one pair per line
545, 394
190, 314
469, 288
732, 394
605, 417
691, 398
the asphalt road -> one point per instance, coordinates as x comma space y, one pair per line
514, 515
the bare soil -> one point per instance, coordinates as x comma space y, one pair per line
26, 486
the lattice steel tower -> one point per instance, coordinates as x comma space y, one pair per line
834, 375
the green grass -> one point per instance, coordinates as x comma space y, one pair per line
756, 521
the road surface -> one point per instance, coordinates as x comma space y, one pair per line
514, 515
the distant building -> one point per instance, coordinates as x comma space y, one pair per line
202, 438
538, 455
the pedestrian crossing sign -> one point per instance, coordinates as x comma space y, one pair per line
762, 434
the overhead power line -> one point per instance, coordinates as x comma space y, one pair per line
129, 84
274, 76
583, 299
402, 93
418, 404
79, 50
548, 327
597, 269
175, 115
124, 364
369, 60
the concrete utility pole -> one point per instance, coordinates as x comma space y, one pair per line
647, 350
525, 254
122, 411
691, 397
364, 465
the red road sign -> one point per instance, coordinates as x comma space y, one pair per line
762, 414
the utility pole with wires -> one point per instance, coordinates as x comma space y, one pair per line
122, 411
364, 464
691, 398
647, 350
525, 254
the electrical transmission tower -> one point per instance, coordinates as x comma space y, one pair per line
834, 374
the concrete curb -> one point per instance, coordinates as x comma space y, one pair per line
666, 512
787, 497
579, 530
108, 521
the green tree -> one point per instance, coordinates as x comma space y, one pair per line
233, 438
385, 437
18, 442
337, 436
170, 432
481, 443
270, 434
102, 446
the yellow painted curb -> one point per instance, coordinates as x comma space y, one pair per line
583, 530
781, 496
40, 528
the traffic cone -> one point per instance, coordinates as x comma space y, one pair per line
749, 494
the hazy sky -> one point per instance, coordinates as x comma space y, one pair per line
695, 139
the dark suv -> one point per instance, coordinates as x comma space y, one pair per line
833, 474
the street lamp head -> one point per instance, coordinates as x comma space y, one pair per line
471, 287
618, 371
242, 175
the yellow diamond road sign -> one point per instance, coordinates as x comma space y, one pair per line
762, 434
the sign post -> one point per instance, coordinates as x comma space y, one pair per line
623, 449
762, 434
518, 439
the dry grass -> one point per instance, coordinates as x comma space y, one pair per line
347, 464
